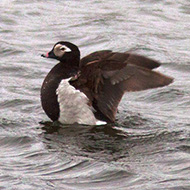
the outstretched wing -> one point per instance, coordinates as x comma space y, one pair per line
130, 78
106, 76
126, 57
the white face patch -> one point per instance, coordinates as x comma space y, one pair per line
65, 48
59, 50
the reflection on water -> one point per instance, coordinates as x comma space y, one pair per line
96, 141
90, 140
147, 148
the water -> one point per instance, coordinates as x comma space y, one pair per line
148, 147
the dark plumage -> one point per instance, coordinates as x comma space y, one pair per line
103, 76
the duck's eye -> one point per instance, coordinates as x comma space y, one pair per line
65, 49
62, 48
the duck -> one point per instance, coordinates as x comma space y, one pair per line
88, 91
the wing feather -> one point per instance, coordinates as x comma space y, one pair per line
106, 76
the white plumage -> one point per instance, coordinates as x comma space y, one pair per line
74, 106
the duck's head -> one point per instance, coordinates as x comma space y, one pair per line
64, 52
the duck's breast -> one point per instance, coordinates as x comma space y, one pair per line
74, 106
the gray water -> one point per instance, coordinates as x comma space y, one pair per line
149, 146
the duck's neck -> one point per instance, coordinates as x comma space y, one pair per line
50, 85
72, 62
64, 70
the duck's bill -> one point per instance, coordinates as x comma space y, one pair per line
49, 55
45, 55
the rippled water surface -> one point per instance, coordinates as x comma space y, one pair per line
149, 146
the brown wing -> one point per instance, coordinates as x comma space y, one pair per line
130, 78
98, 55
126, 57
108, 75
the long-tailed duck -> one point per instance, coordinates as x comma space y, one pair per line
88, 91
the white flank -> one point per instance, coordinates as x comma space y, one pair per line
74, 106
98, 122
